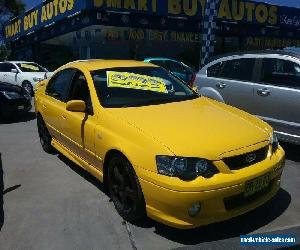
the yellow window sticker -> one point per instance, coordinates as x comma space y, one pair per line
29, 66
135, 81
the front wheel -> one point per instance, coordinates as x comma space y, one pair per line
28, 87
45, 137
125, 189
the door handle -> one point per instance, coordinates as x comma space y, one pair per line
64, 117
221, 85
263, 92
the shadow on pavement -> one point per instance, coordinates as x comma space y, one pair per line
1, 194
83, 173
292, 151
232, 228
26, 117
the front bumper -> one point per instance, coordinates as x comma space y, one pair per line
170, 207
14, 107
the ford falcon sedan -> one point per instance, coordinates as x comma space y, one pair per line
162, 150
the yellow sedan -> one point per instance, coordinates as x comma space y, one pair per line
162, 150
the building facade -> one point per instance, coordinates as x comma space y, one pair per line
59, 31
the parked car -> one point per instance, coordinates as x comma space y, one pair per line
24, 74
119, 121
263, 83
13, 100
179, 69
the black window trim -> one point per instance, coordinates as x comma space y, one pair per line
53, 79
259, 76
89, 111
232, 79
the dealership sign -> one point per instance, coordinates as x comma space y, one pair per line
243, 11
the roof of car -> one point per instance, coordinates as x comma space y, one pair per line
95, 64
17, 62
257, 52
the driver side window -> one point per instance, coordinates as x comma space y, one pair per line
79, 90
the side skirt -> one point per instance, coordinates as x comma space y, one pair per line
77, 160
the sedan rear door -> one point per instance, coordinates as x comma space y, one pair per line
277, 95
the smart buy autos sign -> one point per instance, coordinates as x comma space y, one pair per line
41, 16
234, 10
52, 11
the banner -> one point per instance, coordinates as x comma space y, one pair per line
241, 11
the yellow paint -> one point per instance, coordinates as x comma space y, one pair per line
190, 7
135, 81
238, 10
174, 7
142, 133
273, 15
224, 10
114, 3
249, 8
142, 5
261, 13
129, 4
30, 20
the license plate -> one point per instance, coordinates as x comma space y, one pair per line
20, 107
256, 185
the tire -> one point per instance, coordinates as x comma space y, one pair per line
125, 190
45, 137
27, 86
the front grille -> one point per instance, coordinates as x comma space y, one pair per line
242, 161
239, 200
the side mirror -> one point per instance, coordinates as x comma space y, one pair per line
14, 71
76, 106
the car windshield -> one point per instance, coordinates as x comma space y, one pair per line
31, 67
139, 86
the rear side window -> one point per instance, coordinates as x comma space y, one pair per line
238, 69
280, 72
58, 86
214, 70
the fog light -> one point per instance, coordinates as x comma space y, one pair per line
194, 209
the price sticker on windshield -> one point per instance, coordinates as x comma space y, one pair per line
29, 66
135, 81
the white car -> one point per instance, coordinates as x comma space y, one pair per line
24, 74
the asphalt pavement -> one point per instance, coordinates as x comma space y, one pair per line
48, 202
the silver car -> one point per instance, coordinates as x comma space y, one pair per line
266, 84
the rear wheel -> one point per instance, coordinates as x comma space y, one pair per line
125, 189
45, 137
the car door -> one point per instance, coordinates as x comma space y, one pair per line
53, 104
8, 76
277, 94
78, 128
232, 78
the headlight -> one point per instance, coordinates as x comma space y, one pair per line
274, 142
37, 79
185, 168
11, 95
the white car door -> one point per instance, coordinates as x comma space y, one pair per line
9, 76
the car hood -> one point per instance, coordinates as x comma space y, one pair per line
197, 128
